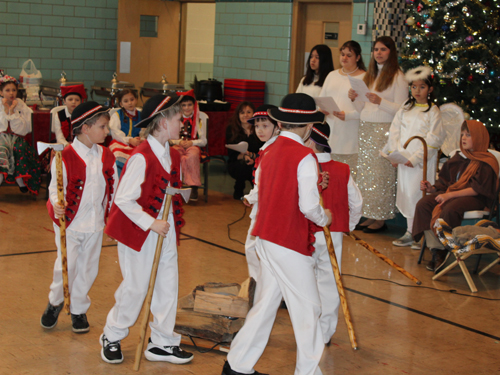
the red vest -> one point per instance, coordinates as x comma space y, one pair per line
65, 124
279, 219
120, 227
76, 177
335, 196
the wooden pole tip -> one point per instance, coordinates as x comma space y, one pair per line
356, 348
419, 282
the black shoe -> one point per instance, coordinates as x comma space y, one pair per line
172, 354
226, 370
111, 352
441, 258
23, 189
381, 229
238, 195
50, 315
431, 265
80, 323
194, 193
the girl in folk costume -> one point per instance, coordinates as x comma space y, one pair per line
192, 137
376, 178
267, 130
466, 182
344, 124
125, 136
319, 65
417, 117
61, 121
18, 160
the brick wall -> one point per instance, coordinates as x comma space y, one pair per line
77, 36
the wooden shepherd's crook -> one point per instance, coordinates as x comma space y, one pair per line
424, 144
384, 258
62, 231
149, 296
338, 280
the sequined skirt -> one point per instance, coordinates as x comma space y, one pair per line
376, 177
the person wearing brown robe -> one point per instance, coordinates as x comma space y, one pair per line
484, 184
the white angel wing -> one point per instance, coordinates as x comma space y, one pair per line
452, 117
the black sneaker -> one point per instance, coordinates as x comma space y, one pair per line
227, 370
111, 352
80, 323
50, 315
172, 354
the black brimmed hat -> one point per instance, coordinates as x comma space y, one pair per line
85, 112
261, 112
320, 135
298, 109
155, 106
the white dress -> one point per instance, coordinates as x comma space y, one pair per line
312, 89
405, 125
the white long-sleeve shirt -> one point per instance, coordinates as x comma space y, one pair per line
392, 98
115, 127
201, 127
19, 118
129, 189
56, 127
90, 215
353, 195
307, 177
312, 89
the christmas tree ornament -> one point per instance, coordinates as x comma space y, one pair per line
410, 21
442, 82
466, 116
446, 17
445, 28
470, 78
453, 28
429, 22
456, 81
439, 68
469, 39
454, 57
492, 73
420, 7
473, 101
465, 10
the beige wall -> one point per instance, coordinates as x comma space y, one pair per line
150, 57
200, 33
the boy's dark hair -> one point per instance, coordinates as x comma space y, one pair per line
288, 126
325, 65
90, 122
187, 98
124, 92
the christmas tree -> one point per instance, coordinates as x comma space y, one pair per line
460, 41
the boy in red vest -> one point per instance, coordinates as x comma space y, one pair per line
192, 136
287, 177
342, 197
135, 222
89, 175
61, 121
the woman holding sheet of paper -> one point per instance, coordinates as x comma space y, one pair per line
388, 89
240, 164
344, 124
319, 64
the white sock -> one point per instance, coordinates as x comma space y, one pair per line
20, 182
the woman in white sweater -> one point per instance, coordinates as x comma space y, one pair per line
319, 64
344, 124
388, 90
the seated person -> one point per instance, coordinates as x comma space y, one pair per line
122, 125
61, 121
192, 137
467, 182
240, 165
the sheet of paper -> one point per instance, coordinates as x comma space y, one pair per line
360, 87
397, 157
241, 147
327, 104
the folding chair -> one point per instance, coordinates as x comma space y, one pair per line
480, 244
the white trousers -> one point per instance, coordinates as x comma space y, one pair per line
136, 271
327, 286
83, 252
288, 274
253, 260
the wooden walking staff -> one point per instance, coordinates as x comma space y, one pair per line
338, 280
424, 144
185, 193
58, 147
384, 258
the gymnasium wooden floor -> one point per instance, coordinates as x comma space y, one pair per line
437, 328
